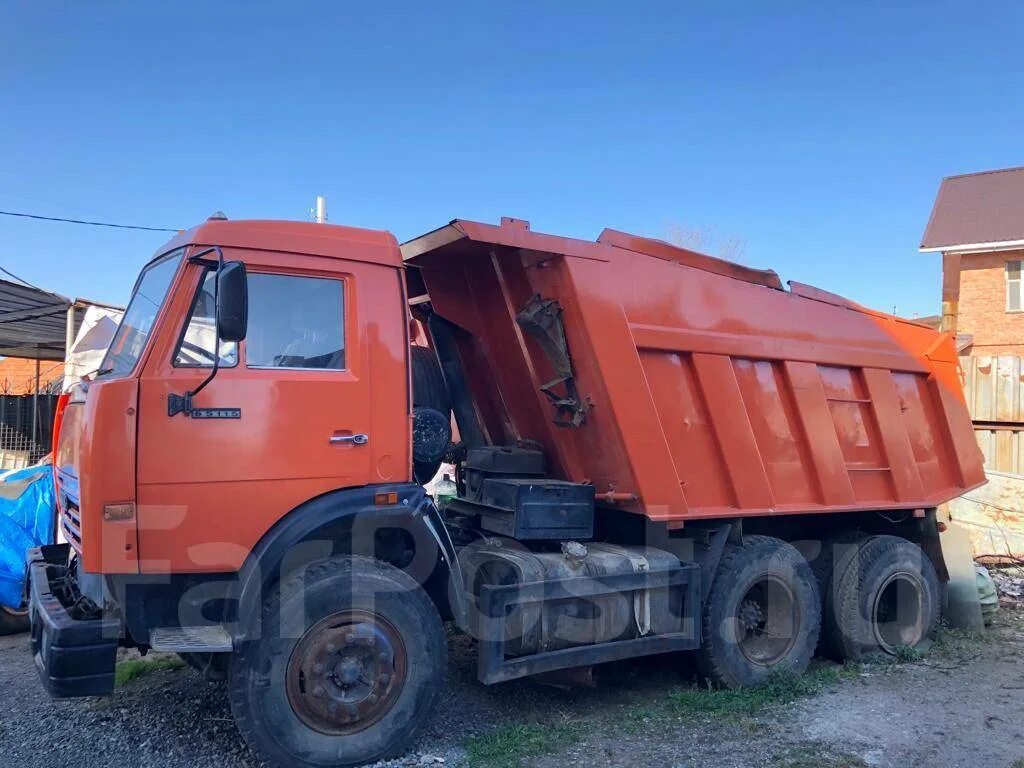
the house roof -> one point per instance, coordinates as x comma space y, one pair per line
978, 211
33, 322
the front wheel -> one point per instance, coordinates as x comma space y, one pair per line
350, 665
763, 613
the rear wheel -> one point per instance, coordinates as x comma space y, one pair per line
352, 675
13, 622
762, 614
835, 553
885, 597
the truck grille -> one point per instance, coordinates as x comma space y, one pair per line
71, 524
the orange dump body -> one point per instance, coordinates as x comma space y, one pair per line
706, 388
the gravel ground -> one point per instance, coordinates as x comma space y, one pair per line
960, 706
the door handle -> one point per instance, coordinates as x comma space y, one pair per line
358, 439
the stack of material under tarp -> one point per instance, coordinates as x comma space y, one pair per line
27, 519
85, 356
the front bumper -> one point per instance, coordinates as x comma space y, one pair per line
74, 656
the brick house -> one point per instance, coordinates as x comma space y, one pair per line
977, 224
18, 375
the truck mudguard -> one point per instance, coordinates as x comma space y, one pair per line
357, 521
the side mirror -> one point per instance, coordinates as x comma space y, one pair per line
232, 301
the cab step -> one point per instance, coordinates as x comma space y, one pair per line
208, 639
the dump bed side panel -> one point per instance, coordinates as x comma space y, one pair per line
775, 402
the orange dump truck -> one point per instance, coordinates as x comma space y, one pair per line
654, 450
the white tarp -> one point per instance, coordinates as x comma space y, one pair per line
94, 336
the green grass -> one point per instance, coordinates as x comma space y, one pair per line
736, 705
133, 669
509, 745
816, 756
906, 654
782, 687
950, 638
958, 645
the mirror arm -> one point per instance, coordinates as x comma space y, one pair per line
183, 403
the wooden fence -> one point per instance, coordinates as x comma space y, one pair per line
994, 514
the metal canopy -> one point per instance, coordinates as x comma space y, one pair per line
33, 322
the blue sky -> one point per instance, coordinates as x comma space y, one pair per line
816, 134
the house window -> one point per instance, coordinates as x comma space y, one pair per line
1014, 297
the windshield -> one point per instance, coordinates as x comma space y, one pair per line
132, 334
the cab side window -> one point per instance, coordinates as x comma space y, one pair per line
196, 346
295, 322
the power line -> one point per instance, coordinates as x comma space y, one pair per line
89, 223
22, 280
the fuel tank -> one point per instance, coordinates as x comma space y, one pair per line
551, 625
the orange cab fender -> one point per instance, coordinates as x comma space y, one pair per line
395, 523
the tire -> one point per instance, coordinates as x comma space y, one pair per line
424, 473
428, 391
13, 622
763, 614
391, 656
836, 551
886, 596
212, 666
428, 388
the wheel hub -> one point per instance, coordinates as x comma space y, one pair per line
346, 672
898, 612
767, 619
751, 616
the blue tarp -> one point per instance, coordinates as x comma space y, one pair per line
27, 512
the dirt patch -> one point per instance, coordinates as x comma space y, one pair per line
959, 705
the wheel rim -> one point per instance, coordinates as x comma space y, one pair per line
898, 612
346, 672
766, 621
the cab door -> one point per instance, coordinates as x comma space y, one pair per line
290, 411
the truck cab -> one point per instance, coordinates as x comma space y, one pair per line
290, 414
